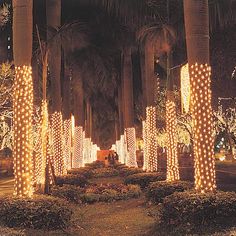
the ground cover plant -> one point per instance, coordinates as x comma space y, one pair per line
144, 179
157, 191
39, 212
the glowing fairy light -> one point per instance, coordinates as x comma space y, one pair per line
202, 127
22, 121
57, 136
172, 152
67, 143
150, 140
185, 88
78, 160
131, 147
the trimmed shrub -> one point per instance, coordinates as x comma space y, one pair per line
191, 211
68, 192
157, 191
143, 179
77, 180
95, 164
85, 171
104, 172
40, 212
97, 193
126, 171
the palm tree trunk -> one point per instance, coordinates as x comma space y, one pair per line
78, 107
197, 39
22, 97
53, 11
150, 124
129, 107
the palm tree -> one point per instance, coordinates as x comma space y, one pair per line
197, 39
53, 11
23, 96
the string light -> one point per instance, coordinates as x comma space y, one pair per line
171, 125
202, 127
151, 142
131, 147
185, 88
22, 122
57, 137
67, 143
144, 145
78, 148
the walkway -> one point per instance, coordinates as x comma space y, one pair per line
6, 186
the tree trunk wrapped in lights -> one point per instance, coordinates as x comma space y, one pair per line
151, 142
172, 151
197, 38
57, 136
129, 108
185, 88
22, 97
78, 160
67, 143
53, 12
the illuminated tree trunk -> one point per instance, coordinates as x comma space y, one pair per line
172, 148
78, 107
22, 97
53, 10
150, 124
67, 125
197, 38
129, 108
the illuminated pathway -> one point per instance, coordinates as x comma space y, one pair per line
6, 186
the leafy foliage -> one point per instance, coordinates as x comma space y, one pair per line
157, 191
190, 211
77, 180
40, 212
96, 193
144, 179
126, 171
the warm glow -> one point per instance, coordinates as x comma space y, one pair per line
150, 142
172, 158
203, 127
78, 160
144, 145
131, 147
185, 88
67, 143
22, 121
57, 136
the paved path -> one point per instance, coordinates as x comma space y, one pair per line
6, 186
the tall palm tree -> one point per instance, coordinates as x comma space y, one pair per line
53, 11
197, 39
23, 96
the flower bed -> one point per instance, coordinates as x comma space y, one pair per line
191, 211
96, 164
40, 212
157, 191
143, 179
85, 171
97, 193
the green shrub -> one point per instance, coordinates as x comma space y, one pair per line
96, 164
68, 192
85, 171
40, 212
96, 193
191, 211
126, 171
143, 179
157, 191
77, 180
104, 172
